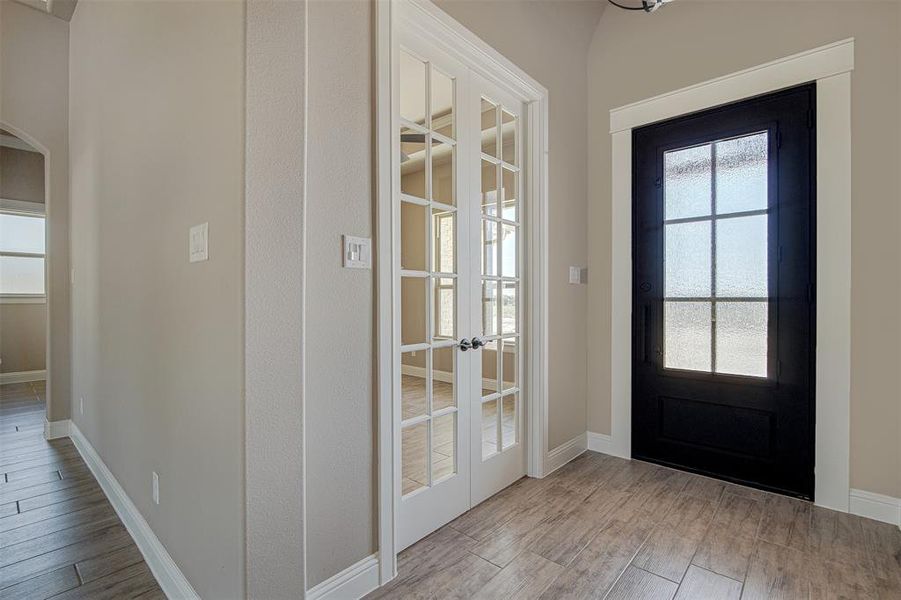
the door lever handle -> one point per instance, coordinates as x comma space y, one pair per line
477, 343
465, 345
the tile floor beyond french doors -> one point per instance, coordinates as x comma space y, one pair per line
603, 527
59, 536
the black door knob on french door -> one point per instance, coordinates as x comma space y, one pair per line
475, 344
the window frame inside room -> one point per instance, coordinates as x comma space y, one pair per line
33, 210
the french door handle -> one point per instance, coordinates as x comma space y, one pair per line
477, 343
465, 345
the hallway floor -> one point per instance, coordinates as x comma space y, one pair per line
59, 536
603, 527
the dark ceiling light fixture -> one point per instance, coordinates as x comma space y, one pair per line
646, 5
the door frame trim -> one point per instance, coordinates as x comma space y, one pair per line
453, 38
830, 67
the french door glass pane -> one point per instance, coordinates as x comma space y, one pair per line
686, 335
741, 174
444, 435
489, 369
445, 308
21, 275
509, 364
508, 420
413, 236
444, 226
414, 402
741, 338
509, 251
489, 188
443, 166
741, 257
413, 305
489, 428
489, 247
489, 128
510, 202
442, 103
412, 88
508, 145
443, 372
19, 233
509, 301
686, 182
414, 457
687, 259
412, 162
489, 307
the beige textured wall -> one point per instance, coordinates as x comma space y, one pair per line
273, 297
636, 56
549, 40
34, 102
339, 392
23, 327
157, 145
21, 175
23, 337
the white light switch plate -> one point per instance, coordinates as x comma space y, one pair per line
575, 275
357, 252
198, 243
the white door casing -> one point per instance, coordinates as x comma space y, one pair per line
830, 67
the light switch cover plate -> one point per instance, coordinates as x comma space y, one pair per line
198, 243
357, 252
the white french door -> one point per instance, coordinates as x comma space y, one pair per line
459, 427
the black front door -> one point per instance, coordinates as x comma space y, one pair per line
723, 292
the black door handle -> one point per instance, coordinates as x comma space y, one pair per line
477, 343
464, 345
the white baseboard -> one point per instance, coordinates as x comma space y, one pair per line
876, 506
603, 443
23, 376
564, 453
168, 575
350, 584
53, 430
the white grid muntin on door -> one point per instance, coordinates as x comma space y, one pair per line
500, 276
430, 134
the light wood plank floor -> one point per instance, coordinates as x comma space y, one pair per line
59, 536
603, 527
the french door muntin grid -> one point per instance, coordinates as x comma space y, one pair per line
713, 218
493, 274
434, 278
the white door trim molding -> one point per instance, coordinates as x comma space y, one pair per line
451, 37
830, 66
